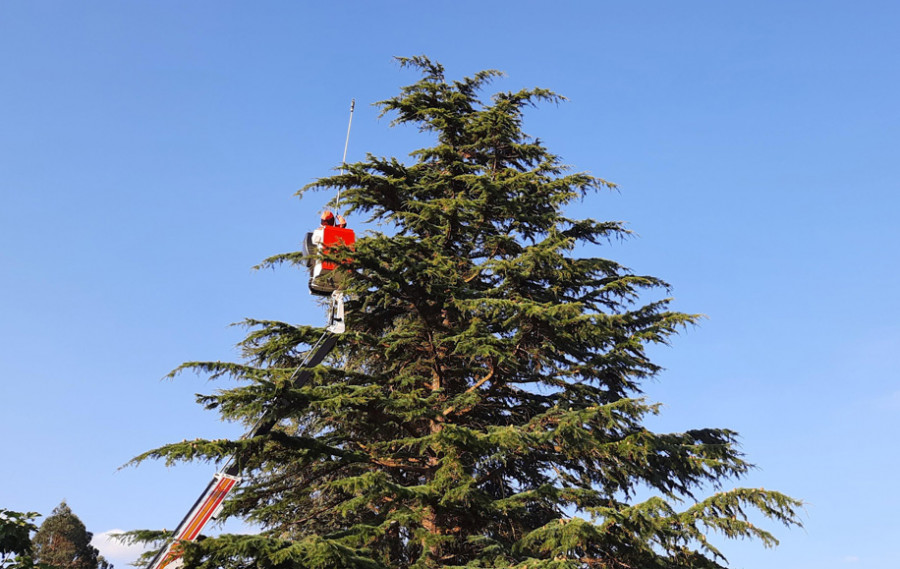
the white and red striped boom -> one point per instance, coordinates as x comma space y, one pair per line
206, 508
209, 504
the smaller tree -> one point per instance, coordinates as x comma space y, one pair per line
15, 539
63, 542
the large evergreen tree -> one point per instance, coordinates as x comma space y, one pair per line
484, 407
63, 542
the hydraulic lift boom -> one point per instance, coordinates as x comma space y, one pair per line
209, 504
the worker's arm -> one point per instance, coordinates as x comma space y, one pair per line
318, 236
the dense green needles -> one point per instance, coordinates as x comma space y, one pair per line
483, 408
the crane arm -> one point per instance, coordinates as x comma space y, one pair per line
209, 504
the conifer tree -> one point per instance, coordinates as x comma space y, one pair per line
63, 542
484, 407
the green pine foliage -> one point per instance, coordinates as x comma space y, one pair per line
63, 542
484, 407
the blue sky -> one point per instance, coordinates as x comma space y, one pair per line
149, 153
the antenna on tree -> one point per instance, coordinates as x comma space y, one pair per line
346, 143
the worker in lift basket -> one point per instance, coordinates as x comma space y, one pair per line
318, 237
